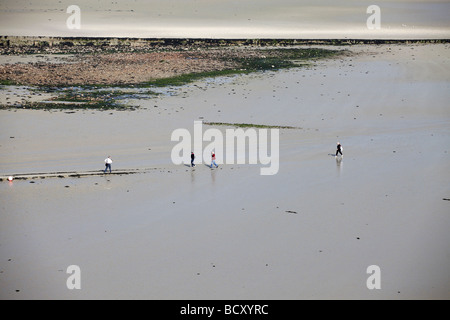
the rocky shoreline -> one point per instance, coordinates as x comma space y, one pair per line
61, 65
64, 45
125, 61
112, 62
111, 68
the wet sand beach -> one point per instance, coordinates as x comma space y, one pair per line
173, 232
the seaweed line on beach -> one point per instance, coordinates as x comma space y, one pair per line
248, 125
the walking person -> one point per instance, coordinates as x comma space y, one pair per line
213, 160
339, 149
192, 159
108, 163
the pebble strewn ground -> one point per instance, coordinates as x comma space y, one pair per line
114, 68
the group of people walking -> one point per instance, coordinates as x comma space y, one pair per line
213, 160
108, 161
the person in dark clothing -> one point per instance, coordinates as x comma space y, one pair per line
192, 159
339, 149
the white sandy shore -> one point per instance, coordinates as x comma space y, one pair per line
175, 233
302, 19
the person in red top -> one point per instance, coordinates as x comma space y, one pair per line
213, 160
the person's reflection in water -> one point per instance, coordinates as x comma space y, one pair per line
192, 176
213, 176
339, 165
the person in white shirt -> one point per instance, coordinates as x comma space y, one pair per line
108, 162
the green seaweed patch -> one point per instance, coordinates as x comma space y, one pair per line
62, 105
302, 54
7, 82
82, 98
270, 59
264, 64
248, 125
190, 77
90, 96
97, 99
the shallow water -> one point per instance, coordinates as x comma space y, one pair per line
309, 231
